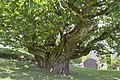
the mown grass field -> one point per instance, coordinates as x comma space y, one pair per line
19, 70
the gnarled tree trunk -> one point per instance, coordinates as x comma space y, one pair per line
56, 61
58, 58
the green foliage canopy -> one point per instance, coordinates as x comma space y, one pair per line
41, 21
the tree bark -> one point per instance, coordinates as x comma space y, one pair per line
58, 58
55, 61
61, 67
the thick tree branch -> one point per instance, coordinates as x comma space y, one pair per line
102, 37
98, 4
76, 28
37, 50
78, 33
71, 7
102, 11
81, 51
105, 34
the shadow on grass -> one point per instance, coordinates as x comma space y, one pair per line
18, 70
93, 74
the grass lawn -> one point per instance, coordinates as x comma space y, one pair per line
18, 70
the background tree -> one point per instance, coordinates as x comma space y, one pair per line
115, 63
56, 31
